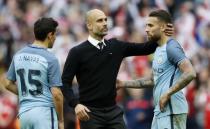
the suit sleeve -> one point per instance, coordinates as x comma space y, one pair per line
69, 71
138, 49
175, 52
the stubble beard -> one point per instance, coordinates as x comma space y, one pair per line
102, 34
153, 38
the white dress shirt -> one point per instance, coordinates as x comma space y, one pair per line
95, 42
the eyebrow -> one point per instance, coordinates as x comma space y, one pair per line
149, 24
101, 19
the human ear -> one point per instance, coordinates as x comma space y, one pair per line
162, 27
50, 35
89, 26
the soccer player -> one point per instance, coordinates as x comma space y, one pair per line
172, 71
38, 79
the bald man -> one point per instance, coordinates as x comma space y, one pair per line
96, 62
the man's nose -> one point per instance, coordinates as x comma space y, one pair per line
105, 23
146, 29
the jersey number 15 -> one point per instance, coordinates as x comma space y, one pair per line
31, 81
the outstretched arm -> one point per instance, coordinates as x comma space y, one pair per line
138, 83
149, 47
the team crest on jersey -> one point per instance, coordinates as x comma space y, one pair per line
160, 60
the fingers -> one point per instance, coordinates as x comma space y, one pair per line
162, 107
170, 25
163, 101
86, 109
81, 112
169, 31
119, 84
82, 115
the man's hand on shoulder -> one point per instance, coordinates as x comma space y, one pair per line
169, 31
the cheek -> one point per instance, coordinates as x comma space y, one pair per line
93, 28
152, 32
156, 31
96, 28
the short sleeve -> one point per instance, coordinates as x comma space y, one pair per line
175, 52
54, 73
11, 72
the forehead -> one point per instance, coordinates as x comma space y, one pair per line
152, 20
98, 15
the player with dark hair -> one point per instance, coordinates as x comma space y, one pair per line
37, 73
172, 71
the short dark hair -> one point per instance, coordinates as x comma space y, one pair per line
161, 15
43, 26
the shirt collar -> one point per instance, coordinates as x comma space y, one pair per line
95, 42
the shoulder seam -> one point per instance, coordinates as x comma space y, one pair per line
169, 40
167, 49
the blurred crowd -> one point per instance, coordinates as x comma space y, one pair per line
126, 21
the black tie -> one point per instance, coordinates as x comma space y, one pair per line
101, 45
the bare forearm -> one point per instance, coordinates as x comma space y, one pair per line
183, 81
139, 83
188, 74
58, 101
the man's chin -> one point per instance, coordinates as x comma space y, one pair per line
104, 34
152, 39
50, 46
149, 39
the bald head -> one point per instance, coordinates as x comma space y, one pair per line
96, 22
93, 14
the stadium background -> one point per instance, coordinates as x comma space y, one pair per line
126, 20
